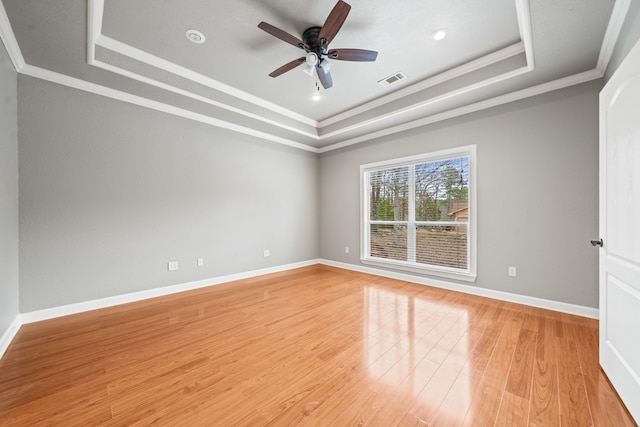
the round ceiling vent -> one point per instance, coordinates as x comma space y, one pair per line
195, 36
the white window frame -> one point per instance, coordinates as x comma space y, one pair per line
469, 274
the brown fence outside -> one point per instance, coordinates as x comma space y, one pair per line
442, 246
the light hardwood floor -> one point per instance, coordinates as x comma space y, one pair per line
313, 346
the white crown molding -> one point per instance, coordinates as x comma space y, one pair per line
562, 307
136, 54
204, 99
9, 40
429, 101
470, 108
83, 85
81, 307
170, 67
524, 24
474, 65
9, 335
616, 21
86, 86
95, 10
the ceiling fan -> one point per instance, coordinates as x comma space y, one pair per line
315, 42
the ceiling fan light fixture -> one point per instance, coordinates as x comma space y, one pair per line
309, 69
440, 34
312, 59
195, 36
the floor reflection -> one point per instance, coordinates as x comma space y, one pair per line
419, 348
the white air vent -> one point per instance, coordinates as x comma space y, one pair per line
394, 78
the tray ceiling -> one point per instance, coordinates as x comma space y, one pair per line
137, 51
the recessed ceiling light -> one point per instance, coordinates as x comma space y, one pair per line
440, 34
195, 36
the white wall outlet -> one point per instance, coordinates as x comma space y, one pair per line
200, 262
512, 272
266, 253
346, 249
173, 265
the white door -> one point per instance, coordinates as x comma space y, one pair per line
620, 231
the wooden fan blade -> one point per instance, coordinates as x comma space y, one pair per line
282, 35
333, 23
288, 66
325, 78
353, 55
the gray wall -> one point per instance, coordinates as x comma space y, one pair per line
110, 192
537, 183
8, 192
629, 35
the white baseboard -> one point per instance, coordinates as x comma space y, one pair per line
562, 307
10, 334
65, 310
50, 313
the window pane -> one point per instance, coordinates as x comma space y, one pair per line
442, 190
389, 241
389, 192
444, 246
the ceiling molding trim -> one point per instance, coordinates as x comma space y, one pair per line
616, 21
524, 23
137, 54
482, 105
9, 40
96, 15
204, 99
83, 85
431, 101
94, 26
170, 67
468, 67
108, 92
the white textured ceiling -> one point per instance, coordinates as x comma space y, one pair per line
136, 50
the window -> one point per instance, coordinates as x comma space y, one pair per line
419, 213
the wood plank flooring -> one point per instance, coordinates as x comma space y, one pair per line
316, 346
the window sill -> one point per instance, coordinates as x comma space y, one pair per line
412, 268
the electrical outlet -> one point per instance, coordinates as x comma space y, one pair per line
200, 262
266, 253
512, 272
173, 265
346, 249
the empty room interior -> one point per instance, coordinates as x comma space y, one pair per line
380, 213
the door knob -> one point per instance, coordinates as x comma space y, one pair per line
597, 243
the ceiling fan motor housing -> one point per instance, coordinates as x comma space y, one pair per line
310, 37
